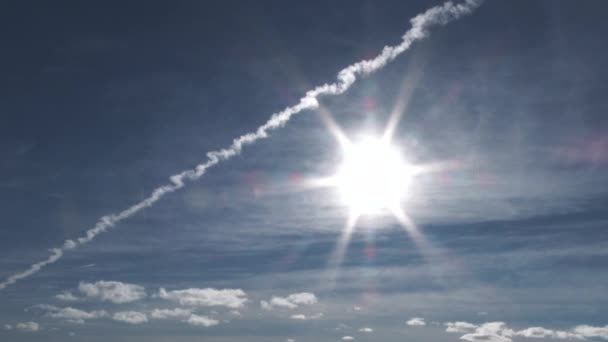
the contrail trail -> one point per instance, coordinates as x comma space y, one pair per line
438, 15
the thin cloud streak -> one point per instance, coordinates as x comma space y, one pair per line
438, 15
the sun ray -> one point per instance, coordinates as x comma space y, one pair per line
407, 88
337, 256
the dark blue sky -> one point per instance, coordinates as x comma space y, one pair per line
102, 102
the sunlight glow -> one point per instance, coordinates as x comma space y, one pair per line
373, 177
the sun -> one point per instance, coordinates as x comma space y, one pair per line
373, 177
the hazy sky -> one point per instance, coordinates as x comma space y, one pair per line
102, 102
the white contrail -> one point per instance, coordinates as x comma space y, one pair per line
438, 15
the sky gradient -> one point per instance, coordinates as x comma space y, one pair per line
103, 102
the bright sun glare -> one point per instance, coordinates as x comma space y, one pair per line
372, 177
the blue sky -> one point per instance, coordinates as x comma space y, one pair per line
103, 102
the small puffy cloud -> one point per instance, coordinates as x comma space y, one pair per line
290, 340
170, 313
590, 331
366, 330
230, 298
204, 321
304, 317
290, 302
357, 308
130, 317
303, 298
27, 326
348, 338
416, 322
72, 315
490, 332
460, 327
112, 291
66, 296
8, 327
536, 332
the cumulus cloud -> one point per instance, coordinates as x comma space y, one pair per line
304, 317
490, 332
589, 331
366, 330
70, 314
290, 340
27, 326
230, 298
460, 327
347, 338
499, 332
421, 25
416, 322
130, 317
170, 313
290, 302
8, 327
112, 291
66, 296
540, 332
203, 321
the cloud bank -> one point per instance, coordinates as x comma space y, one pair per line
421, 24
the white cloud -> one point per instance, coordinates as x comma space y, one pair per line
131, 317
70, 314
28, 326
589, 331
230, 298
112, 291
8, 327
416, 322
357, 308
204, 321
540, 332
290, 340
490, 332
66, 296
460, 327
348, 338
290, 302
304, 317
170, 313
499, 332
366, 330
